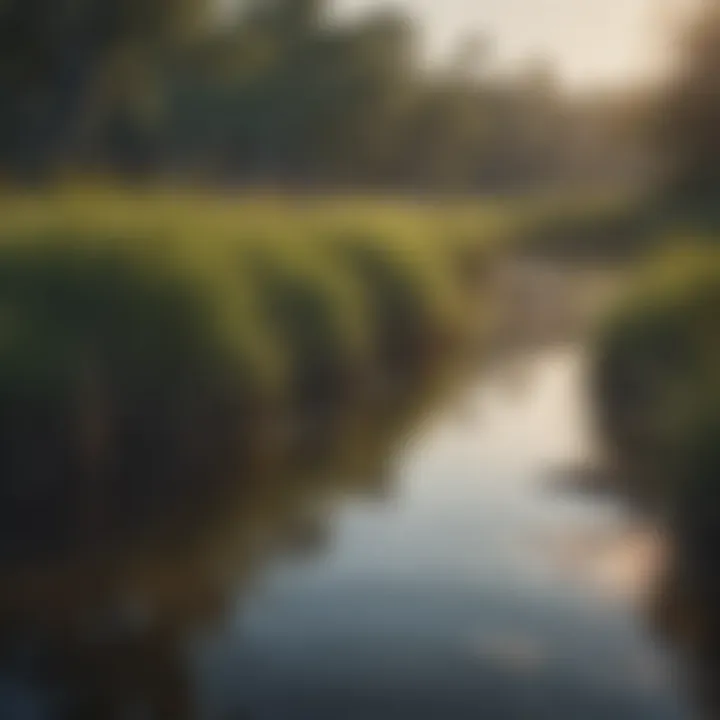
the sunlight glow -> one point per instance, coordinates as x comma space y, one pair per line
589, 41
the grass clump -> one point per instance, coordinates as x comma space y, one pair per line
409, 293
145, 337
316, 314
658, 379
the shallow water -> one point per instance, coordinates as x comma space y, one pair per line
456, 580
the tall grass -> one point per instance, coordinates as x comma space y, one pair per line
658, 381
145, 338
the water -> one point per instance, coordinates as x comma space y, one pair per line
451, 577
457, 597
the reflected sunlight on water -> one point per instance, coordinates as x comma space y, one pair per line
448, 600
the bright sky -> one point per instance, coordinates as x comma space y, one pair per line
590, 41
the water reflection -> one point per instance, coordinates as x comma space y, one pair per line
101, 627
406, 558
456, 599
685, 612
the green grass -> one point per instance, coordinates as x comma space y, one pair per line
134, 324
658, 376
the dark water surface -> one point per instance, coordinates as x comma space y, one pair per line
439, 574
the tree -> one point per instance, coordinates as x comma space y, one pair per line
59, 64
688, 114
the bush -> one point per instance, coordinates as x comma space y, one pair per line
118, 375
414, 305
145, 338
658, 373
316, 314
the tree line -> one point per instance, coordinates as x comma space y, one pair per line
276, 92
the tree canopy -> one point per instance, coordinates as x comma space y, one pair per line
273, 92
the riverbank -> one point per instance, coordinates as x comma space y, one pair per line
153, 341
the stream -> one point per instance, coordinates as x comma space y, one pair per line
451, 570
480, 587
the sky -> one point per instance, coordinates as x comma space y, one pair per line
596, 42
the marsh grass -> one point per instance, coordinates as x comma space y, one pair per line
658, 378
148, 339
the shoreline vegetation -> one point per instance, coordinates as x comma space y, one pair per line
657, 375
151, 342
656, 379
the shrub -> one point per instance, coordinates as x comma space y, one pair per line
658, 371
145, 338
410, 294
